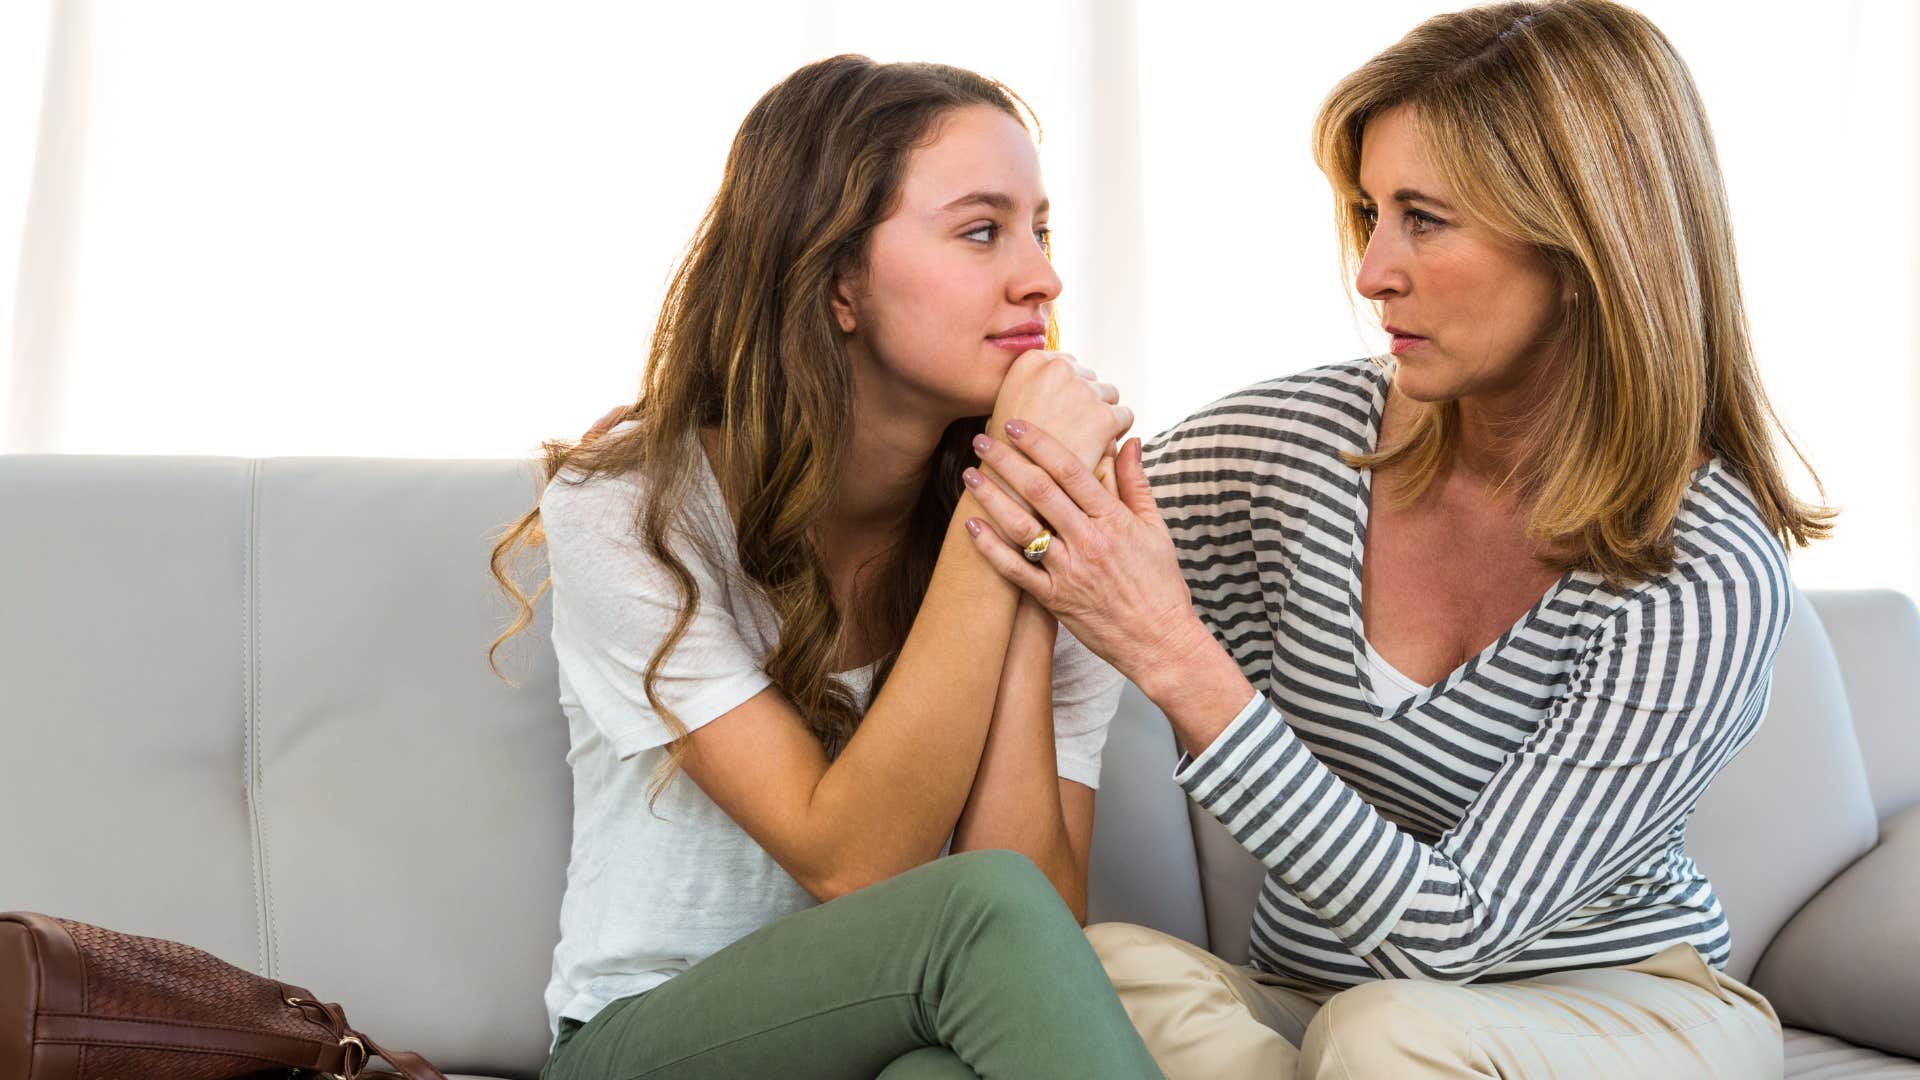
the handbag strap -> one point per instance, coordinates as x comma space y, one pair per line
411, 1065
356, 1049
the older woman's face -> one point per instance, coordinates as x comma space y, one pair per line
1468, 310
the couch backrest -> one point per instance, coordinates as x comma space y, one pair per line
246, 705
1792, 810
1876, 639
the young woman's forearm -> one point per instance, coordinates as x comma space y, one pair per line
890, 801
1015, 801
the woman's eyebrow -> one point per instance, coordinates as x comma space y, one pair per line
1410, 195
996, 199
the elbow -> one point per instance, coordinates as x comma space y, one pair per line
832, 887
832, 879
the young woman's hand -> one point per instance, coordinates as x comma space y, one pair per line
1110, 574
604, 424
1055, 391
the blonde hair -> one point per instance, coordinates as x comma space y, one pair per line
1572, 126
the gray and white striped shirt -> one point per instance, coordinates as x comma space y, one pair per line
1525, 814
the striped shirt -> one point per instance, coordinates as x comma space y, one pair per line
1525, 814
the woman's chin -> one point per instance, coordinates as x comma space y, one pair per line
1415, 386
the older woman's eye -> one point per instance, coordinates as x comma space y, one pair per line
1423, 221
1370, 215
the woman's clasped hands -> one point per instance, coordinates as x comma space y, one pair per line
1110, 573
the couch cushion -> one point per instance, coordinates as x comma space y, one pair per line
1813, 1056
1876, 638
122, 710
1793, 809
1849, 963
414, 809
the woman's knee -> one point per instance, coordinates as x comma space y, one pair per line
928, 1063
1385, 1029
998, 878
1136, 953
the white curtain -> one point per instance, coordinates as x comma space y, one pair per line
439, 228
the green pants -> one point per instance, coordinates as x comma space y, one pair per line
968, 966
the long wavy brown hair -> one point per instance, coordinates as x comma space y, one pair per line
747, 345
1572, 126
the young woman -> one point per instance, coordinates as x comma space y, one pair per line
1462, 637
788, 677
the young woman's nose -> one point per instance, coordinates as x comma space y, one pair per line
1382, 267
1034, 278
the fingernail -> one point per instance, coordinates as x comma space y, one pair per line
973, 527
1017, 428
971, 476
982, 444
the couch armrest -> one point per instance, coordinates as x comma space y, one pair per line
1876, 638
1849, 963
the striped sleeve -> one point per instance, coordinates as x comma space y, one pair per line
1668, 689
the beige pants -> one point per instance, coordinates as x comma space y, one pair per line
1669, 1016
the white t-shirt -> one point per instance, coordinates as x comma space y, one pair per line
651, 894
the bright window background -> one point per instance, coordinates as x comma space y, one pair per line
440, 229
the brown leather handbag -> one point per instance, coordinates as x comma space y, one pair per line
81, 1003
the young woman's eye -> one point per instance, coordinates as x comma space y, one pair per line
1045, 236
982, 234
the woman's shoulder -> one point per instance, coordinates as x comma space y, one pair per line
1728, 568
577, 509
1720, 530
1308, 417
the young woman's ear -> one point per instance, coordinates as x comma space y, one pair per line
843, 312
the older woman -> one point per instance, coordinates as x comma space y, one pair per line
1454, 642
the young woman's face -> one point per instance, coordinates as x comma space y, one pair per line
957, 282
1469, 310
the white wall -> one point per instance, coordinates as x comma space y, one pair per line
1814, 112
440, 228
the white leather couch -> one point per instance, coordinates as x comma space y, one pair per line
245, 704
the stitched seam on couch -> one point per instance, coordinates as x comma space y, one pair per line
250, 728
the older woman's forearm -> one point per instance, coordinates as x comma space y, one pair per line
1196, 683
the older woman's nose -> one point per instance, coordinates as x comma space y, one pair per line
1382, 272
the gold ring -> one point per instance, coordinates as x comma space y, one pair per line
1036, 548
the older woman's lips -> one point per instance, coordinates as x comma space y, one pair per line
1402, 341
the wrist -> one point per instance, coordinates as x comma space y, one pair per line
1033, 618
1197, 684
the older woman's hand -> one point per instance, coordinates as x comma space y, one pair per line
1110, 572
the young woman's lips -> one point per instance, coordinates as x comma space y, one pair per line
1020, 342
